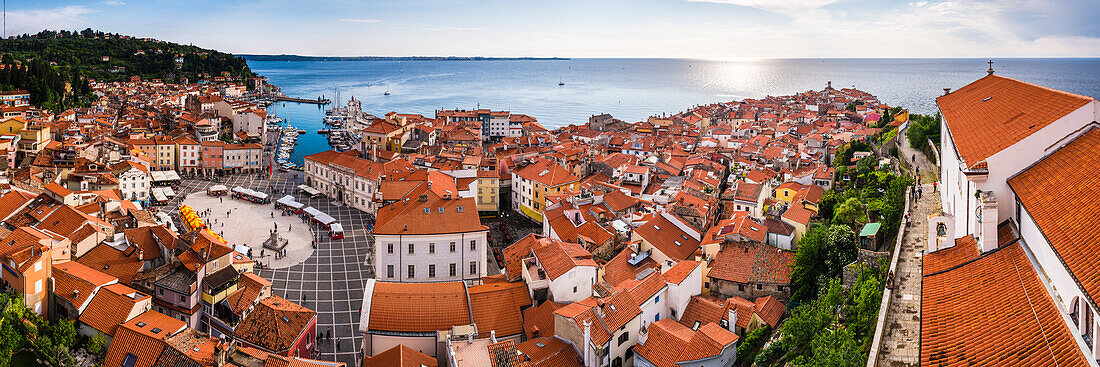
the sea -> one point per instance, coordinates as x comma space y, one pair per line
630, 89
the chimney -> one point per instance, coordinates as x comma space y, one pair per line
589, 353
220, 352
946, 91
732, 320
987, 222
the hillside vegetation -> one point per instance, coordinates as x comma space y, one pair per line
110, 57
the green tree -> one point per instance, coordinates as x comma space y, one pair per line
840, 249
747, 348
808, 265
97, 346
852, 212
866, 298
804, 323
63, 333
834, 346
827, 204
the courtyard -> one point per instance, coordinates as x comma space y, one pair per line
329, 280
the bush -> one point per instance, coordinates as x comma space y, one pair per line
96, 346
751, 344
769, 355
923, 128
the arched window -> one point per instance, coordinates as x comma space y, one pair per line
1087, 330
1075, 311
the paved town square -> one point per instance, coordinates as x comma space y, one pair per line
330, 280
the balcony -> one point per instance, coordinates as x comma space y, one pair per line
536, 276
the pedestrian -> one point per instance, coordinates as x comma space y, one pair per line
920, 193
914, 158
934, 185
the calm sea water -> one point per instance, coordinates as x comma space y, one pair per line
631, 89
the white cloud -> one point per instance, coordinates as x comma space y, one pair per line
455, 29
33, 21
785, 7
114, 2
369, 21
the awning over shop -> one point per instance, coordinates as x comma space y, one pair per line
290, 202
309, 190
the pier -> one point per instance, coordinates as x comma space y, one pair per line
284, 98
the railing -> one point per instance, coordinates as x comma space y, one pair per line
887, 293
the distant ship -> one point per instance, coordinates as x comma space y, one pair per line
561, 83
386, 94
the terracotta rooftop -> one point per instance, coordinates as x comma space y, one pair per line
275, 324
1059, 194
111, 306
669, 238
752, 263
418, 307
436, 214
994, 112
539, 321
496, 306
549, 352
962, 324
964, 250
75, 282
399, 356
669, 342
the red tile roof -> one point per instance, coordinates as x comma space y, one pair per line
399, 356
549, 352
679, 272
275, 324
408, 216
496, 306
547, 172
75, 282
669, 238
752, 263
111, 306
539, 321
618, 269
556, 257
964, 250
1059, 193
418, 307
114, 262
670, 342
995, 112
962, 324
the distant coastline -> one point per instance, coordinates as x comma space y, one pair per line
284, 57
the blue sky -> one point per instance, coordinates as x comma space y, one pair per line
593, 28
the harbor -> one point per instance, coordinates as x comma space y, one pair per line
344, 123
